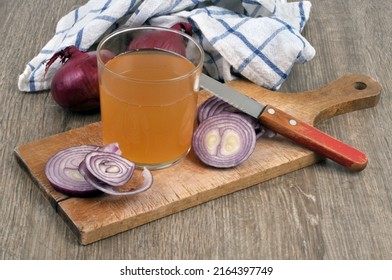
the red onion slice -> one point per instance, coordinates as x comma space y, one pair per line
63, 174
109, 168
148, 180
111, 148
224, 140
105, 171
87, 170
202, 111
213, 106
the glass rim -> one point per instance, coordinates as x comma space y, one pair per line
141, 28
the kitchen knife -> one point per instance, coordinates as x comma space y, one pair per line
289, 126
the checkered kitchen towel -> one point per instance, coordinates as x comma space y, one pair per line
258, 39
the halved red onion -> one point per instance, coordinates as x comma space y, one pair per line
224, 140
62, 171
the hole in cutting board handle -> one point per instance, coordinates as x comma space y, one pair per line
360, 85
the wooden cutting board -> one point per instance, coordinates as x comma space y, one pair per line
190, 183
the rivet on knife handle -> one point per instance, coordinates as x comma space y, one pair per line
313, 139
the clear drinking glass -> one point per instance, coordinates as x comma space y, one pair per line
149, 82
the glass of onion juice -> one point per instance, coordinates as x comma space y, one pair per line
149, 83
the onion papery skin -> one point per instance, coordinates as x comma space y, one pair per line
109, 168
62, 171
224, 140
75, 86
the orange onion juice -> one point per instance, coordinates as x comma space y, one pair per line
148, 105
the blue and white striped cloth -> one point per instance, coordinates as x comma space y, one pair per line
258, 39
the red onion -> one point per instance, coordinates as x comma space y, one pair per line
109, 168
111, 148
213, 106
109, 189
75, 84
162, 40
87, 170
224, 140
62, 171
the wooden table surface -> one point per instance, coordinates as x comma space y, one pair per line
319, 212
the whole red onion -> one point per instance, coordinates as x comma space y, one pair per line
163, 40
75, 84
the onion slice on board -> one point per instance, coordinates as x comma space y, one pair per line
224, 140
108, 189
88, 170
109, 168
63, 174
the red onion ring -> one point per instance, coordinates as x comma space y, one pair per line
224, 140
213, 106
63, 174
108, 189
109, 168
87, 170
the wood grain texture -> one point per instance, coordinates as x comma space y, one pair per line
189, 182
319, 212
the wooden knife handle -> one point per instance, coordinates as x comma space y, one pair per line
312, 138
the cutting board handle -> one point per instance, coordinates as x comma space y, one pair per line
349, 93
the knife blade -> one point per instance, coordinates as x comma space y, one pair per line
289, 126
